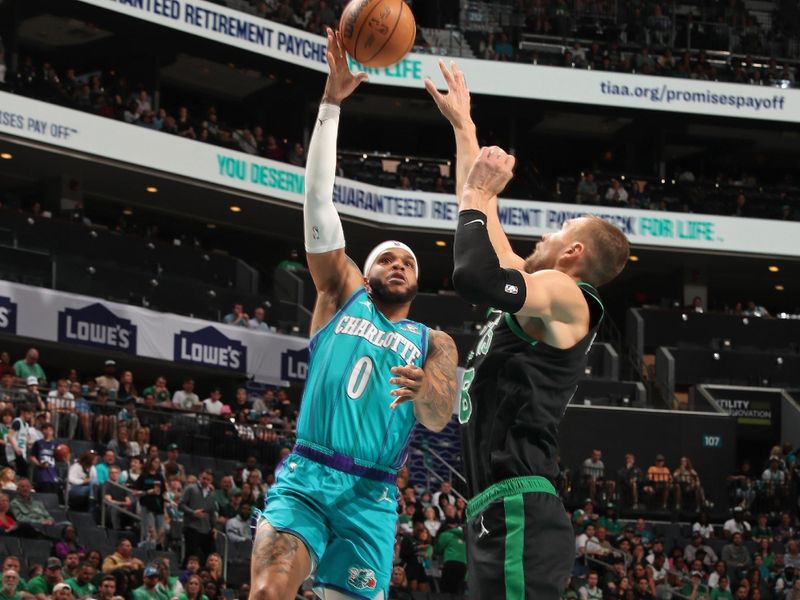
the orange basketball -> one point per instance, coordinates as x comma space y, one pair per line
62, 453
378, 33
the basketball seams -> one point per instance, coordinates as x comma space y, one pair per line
360, 29
391, 33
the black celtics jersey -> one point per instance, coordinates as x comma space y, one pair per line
514, 394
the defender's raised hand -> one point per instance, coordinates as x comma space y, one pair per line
455, 104
341, 81
490, 173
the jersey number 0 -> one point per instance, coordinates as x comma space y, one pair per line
359, 377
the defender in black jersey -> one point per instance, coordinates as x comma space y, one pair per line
523, 370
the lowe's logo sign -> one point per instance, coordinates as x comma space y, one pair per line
294, 365
8, 315
98, 327
210, 348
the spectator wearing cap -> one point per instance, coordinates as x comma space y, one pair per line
691, 589
736, 524
659, 480
81, 585
61, 404
199, 510
122, 558
149, 589
584, 516
696, 546
30, 367
11, 586
171, 466
44, 584
108, 379
213, 404
610, 522
238, 528
62, 591
32, 395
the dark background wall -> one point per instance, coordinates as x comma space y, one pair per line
647, 433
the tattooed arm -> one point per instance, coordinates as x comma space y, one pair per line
433, 388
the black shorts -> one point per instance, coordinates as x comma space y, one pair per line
520, 547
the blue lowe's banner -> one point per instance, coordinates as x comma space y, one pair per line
8, 315
209, 347
96, 326
70, 319
294, 365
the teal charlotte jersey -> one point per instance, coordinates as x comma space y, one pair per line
336, 490
345, 406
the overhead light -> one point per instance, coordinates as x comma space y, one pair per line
235, 208
6, 155
440, 243
127, 212
211, 225
151, 189
773, 268
779, 287
633, 258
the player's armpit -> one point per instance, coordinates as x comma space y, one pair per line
435, 408
336, 277
552, 295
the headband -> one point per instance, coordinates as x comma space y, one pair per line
383, 247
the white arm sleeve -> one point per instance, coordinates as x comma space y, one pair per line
321, 223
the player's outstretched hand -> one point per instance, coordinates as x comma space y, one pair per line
410, 382
491, 172
341, 81
455, 104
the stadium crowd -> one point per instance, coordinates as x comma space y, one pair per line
158, 506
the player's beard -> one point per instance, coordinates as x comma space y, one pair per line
380, 292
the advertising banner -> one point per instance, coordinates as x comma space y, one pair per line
518, 80
71, 319
397, 209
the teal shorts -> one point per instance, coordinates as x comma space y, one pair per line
347, 522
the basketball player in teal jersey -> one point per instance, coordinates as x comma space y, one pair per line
372, 375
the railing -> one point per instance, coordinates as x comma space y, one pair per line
432, 474
116, 507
